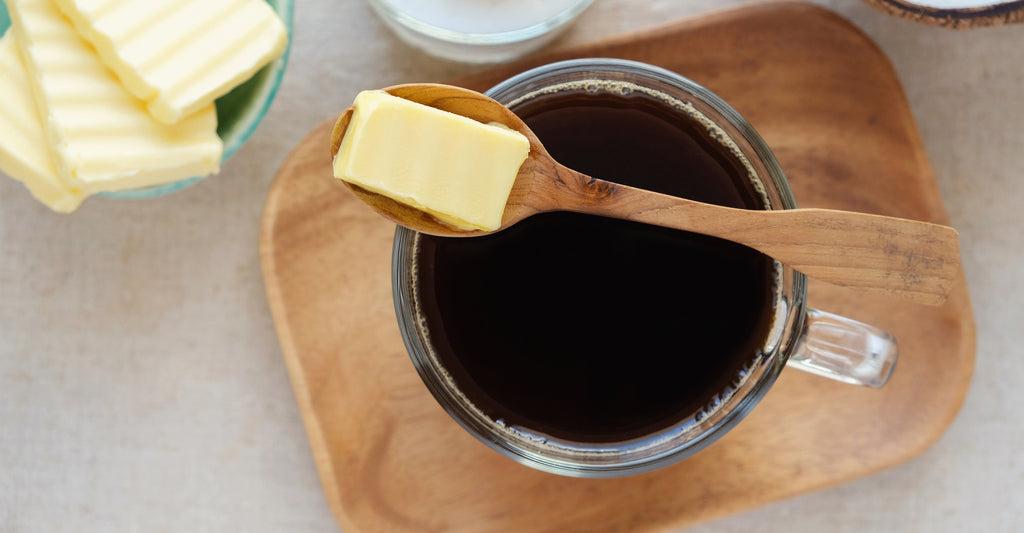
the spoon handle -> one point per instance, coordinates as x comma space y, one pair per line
918, 261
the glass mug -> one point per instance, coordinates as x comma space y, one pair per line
789, 333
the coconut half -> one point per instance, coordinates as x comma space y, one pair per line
956, 14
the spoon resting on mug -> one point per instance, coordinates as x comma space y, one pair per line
917, 261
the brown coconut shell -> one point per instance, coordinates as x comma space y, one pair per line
995, 14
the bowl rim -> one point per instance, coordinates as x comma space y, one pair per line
419, 26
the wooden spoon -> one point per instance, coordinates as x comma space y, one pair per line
915, 260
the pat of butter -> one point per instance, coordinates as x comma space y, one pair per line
101, 137
23, 154
453, 167
179, 56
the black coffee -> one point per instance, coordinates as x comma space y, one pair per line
599, 330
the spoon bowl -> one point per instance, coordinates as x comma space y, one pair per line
917, 261
468, 104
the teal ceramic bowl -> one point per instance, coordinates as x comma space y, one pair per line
238, 112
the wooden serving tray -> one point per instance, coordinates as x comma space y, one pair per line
829, 104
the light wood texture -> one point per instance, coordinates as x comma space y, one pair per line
993, 14
917, 261
828, 102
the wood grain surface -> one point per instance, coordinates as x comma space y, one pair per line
829, 104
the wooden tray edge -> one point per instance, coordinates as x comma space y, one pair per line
303, 397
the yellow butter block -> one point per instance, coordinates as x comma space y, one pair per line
100, 136
179, 56
23, 153
451, 166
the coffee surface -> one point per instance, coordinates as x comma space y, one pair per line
599, 330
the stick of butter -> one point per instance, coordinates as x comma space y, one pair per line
453, 167
101, 137
23, 154
179, 56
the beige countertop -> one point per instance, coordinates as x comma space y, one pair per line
141, 383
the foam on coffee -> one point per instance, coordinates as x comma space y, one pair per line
625, 88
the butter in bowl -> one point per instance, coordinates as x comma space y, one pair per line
133, 98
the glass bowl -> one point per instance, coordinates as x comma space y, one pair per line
471, 31
238, 113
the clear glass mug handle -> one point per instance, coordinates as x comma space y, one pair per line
844, 350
